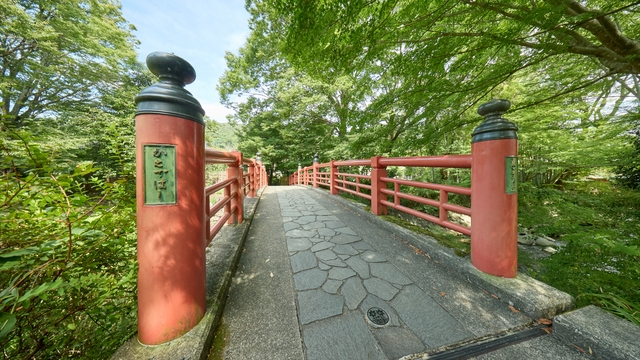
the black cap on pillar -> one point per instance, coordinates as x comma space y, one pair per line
494, 127
168, 97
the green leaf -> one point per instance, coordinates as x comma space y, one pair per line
40, 290
71, 326
7, 323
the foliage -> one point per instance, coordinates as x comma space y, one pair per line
68, 77
220, 136
629, 171
599, 223
68, 266
61, 56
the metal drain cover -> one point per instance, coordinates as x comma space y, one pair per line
378, 316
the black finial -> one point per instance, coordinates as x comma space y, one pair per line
315, 158
171, 68
168, 97
494, 127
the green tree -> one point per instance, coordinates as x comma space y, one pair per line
61, 56
281, 112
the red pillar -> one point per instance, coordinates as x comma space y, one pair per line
170, 203
315, 171
494, 198
252, 179
377, 172
234, 171
333, 176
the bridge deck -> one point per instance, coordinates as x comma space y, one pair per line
312, 270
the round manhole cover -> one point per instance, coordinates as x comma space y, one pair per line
378, 316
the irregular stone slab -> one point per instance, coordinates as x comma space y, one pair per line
305, 219
386, 271
380, 288
307, 213
332, 286
345, 249
309, 279
353, 291
324, 213
335, 224
362, 245
327, 218
397, 342
303, 260
326, 232
317, 305
326, 255
346, 230
344, 337
300, 233
427, 319
372, 301
344, 257
287, 219
317, 239
298, 244
341, 273
358, 265
336, 262
323, 266
373, 257
291, 213
322, 246
290, 225
313, 225
345, 239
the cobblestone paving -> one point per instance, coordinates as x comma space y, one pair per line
338, 276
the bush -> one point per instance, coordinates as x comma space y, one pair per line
68, 265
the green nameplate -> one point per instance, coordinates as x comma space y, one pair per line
511, 172
159, 174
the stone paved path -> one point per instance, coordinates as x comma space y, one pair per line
339, 276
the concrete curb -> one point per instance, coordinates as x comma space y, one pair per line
534, 298
222, 257
599, 332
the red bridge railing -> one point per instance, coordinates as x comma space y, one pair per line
238, 185
377, 190
493, 191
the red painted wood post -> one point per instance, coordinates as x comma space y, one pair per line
252, 179
170, 203
258, 171
494, 198
315, 171
234, 171
444, 198
333, 178
306, 175
377, 171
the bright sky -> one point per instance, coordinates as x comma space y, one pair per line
199, 31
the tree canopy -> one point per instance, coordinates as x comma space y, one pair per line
61, 56
405, 77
